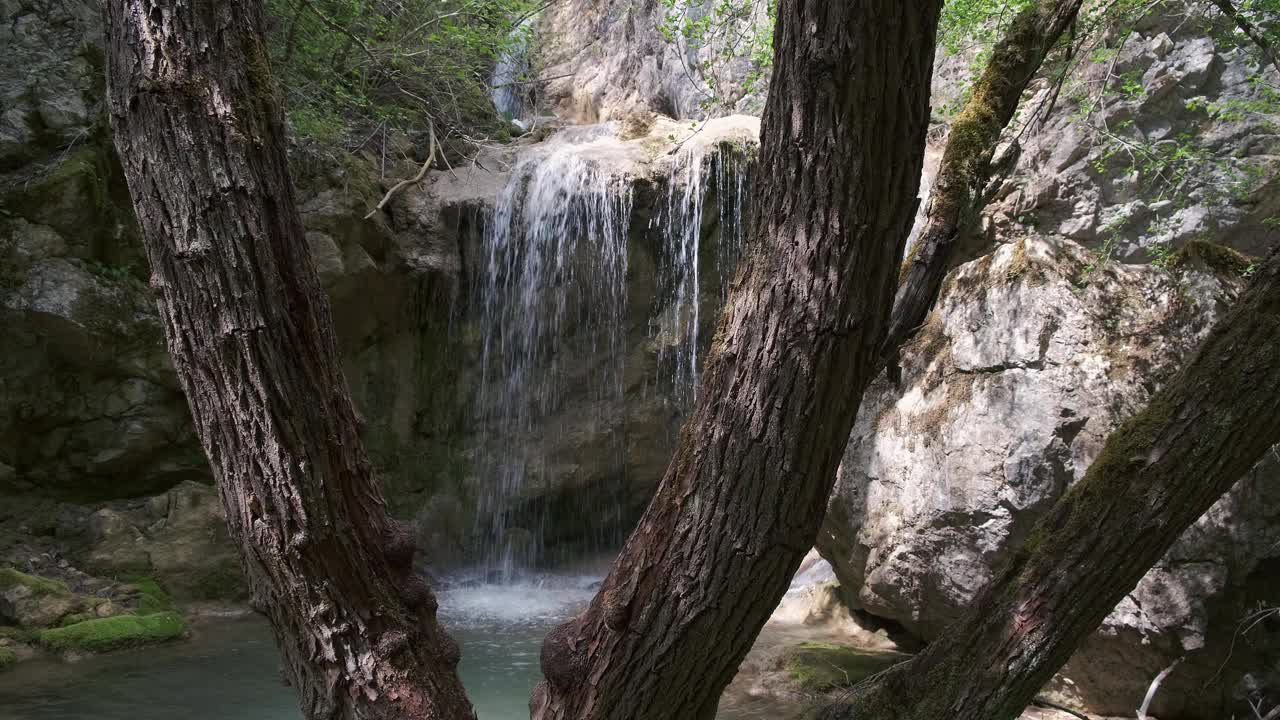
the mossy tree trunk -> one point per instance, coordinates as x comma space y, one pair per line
1156, 475
842, 142
249, 329
965, 168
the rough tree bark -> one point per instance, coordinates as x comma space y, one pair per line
841, 152
966, 161
249, 329
1156, 475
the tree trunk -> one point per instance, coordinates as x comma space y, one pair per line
966, 162
249, 330
1156, 475
841, 151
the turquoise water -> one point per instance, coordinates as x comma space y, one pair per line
230, 670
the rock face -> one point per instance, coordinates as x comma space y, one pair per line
1180, 147
54, 98
90, 409
606, 60
1033, 355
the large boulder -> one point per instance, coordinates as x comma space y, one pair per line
179, 538
1033, 356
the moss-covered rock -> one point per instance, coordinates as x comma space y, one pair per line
820, 666
114, 633
7, 657
11, 578
33, 601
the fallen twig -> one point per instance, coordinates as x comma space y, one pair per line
422, 172
1155, 685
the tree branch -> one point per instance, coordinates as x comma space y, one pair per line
1249, 29
422, 172
1155, 686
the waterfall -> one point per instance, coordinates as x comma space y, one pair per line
692, 238
551, 295
512, 69
552, 298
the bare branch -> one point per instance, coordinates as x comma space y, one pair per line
422, 172
1155, 686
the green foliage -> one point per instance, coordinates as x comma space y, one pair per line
114, 633
7, 657
352, 69
1098, 259
1163, 255
968, 23
729, 32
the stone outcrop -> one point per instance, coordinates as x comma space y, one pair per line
1180, 146
1033, 356
179, 538
607, 60
1038, 349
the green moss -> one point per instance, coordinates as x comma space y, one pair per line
7, 657
1019, 263
115, 633
820, 667
153, 597
11, 578
1118, 464
1219, 258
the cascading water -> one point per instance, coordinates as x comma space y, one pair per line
685, 229
552, 295
511, 73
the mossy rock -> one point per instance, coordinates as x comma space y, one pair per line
151, 597
1218, 258
11, 578
820, 667
7, 657
33, 601
17, 634
115, 633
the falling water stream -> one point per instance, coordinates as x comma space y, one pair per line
683, 225
552, 293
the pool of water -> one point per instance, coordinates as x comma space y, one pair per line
229, 670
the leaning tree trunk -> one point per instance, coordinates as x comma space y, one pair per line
965, 169
201, 138
1156, 475
841, 151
